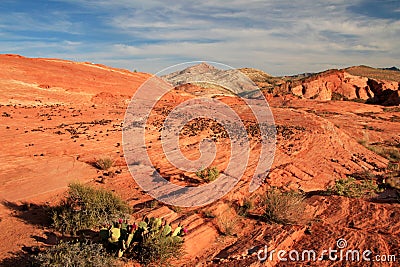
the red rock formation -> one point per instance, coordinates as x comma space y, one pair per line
340, 84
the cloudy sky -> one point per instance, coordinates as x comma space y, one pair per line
281, 37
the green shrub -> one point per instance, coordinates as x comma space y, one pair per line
86, 207
158, 249
104, 163
283, 207
72, 253
350, 187
208, 174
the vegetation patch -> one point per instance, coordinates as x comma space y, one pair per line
208, 174
350, 187
283, 207
243, 210
104, 163
74, 253
86, 207
151, 242
227, 222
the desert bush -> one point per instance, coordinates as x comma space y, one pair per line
158, 249
227, 222
74, 253
350, 187
283, 207
104, 163
208, 174
244, 209
86, 207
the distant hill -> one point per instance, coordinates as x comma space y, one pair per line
391, 68
360, 83
373, 73
204, 75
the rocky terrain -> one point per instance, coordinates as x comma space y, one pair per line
362, 83
59, 116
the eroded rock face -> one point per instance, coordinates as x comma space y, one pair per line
339, 84
386, 92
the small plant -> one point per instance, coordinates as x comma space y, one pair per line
227, 222
73, 253
283, 207
104, 163
153, 204
176, 209
86, 207
244, 209
350, 187
208, 174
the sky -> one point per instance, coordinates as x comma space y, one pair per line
280, 37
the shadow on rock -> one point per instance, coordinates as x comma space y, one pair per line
30, 213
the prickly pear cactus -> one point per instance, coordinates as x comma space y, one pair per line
115, 234
129, 237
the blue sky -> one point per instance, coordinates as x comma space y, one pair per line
280, 37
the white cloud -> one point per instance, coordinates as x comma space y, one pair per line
281, 37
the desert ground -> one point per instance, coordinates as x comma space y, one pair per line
59, 117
